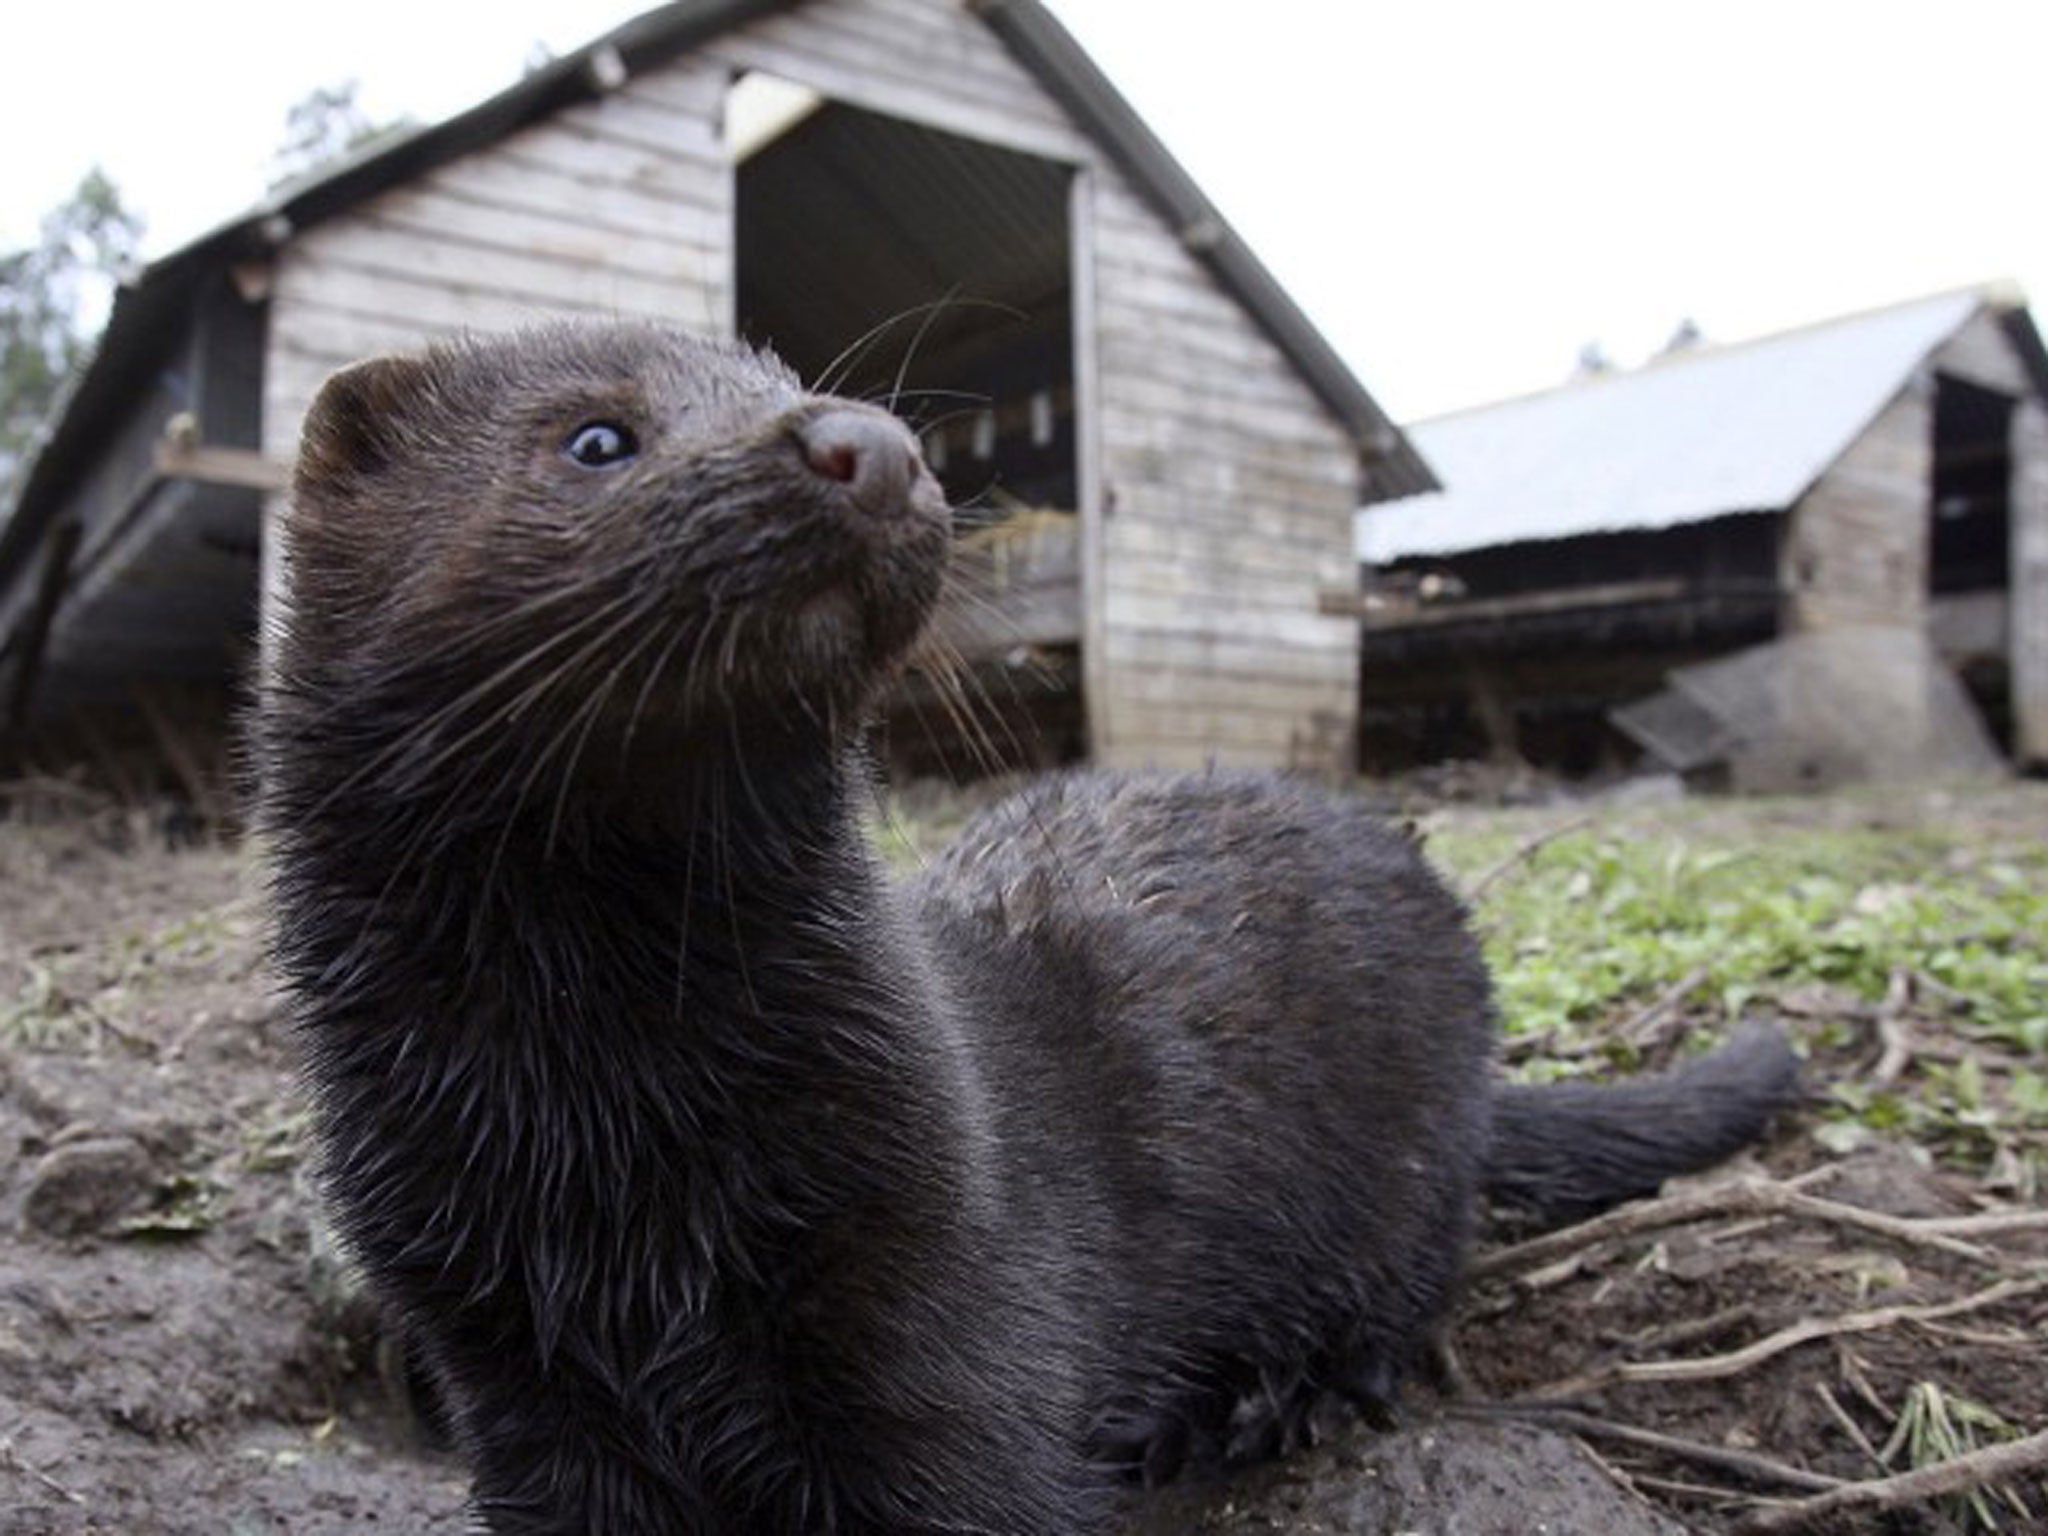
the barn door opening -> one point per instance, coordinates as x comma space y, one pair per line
932, 273
1972, 540
1969, 551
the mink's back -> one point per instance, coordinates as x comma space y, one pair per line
1236, 1034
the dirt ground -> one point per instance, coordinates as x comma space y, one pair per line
182, 1351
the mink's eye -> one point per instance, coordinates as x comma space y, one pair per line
598, 443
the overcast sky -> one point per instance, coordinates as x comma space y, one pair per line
1461, 194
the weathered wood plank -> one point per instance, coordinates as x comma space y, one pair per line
412, 244
1182, 297
1294, 625
1211, 536
1189, 541
1197, 535
210, 464
1221, 492
1215, 586
1139, 411
1119, 203
1134, 341
641, 124
337, 337
686, 85
1169, 358
1218, 589
1145, 244
1171, 405
1140, 445
556, 146
562, 234
498, 294
522, 188
325, 314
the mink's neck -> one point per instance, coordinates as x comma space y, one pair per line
673, 1047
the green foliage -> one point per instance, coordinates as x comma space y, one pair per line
1605, 918
1766, 911
1936, 1426
51, 295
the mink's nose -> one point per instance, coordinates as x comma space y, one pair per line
873, 456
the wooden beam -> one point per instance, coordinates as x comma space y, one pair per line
1614, 594
243, 468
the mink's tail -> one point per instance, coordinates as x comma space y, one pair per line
1561, 1151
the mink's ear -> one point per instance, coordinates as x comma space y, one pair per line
356, 421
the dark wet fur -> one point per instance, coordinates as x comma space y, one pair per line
732, 1187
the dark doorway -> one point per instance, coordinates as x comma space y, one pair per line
1971, 547
933, 273
899, 263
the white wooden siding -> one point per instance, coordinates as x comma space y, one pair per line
1229, 491
618, 207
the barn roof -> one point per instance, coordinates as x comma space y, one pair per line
1695, 435
149, 310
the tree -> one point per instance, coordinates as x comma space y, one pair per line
322, 126
53, 298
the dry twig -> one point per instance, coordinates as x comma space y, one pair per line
1695, 1330
1957, 1001
1752, 1197
1757, 1468
10, 1456
1735, 1362
1705, 1493
1959, 1474
1848, 1425
1521, 852
1893, 1031
1641, 1028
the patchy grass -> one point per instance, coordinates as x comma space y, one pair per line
1929, 938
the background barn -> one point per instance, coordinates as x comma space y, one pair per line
1883, 475
1107, 352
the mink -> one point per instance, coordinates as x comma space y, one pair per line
728, 1183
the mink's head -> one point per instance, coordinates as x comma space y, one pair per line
586, 544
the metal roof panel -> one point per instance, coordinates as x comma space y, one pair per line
1742, 428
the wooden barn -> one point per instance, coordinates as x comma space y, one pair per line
1886, 471
939, 199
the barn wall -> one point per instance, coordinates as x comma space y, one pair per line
1227, 495
1856, 550
619, 207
